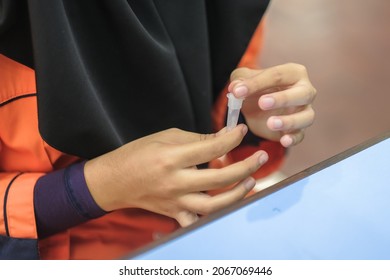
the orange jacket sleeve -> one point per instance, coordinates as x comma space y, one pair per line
24, 158
17, 219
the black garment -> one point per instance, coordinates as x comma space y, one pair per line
111, 71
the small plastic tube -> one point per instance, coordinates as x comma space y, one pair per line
234, 106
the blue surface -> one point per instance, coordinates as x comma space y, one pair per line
340, 212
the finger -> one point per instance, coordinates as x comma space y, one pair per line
208, 147
239, 74
186, 218
178, 136
292, 122
204, 204
211, 179
277, 76
243, 73
292, 139
296, 96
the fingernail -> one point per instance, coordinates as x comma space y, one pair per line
249, 183
267, 102
240, 91
232, 84
263, 158
286, 141
277, 123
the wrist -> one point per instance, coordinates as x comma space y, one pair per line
100, 184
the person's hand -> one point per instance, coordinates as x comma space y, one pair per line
277, 103
158, 173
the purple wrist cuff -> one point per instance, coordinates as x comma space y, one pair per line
62, 200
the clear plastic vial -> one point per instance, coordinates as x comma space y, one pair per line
234, 107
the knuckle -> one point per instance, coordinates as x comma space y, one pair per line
289, 124
203, 137
312, 115
299, 68
310, 97
282, 100
237, 73
307, 91
165, 161
277, 75
298, 137
301, 136
313, 92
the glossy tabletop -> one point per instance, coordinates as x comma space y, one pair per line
338, 209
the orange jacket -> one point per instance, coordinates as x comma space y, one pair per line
24, 157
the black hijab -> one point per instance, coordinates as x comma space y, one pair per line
111, 71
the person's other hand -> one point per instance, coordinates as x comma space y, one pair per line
158, 173
278, 101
